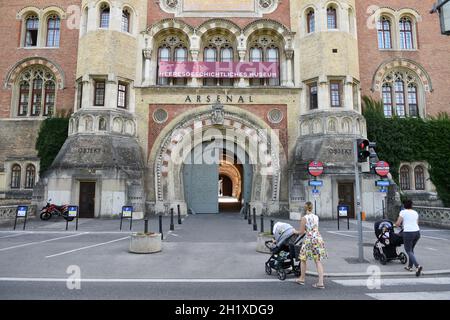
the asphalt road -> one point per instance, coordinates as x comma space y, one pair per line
205, 258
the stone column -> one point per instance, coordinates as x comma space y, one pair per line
348, 93
242, 82
194, 55
147, 53
289, 56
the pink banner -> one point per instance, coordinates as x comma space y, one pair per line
218, 69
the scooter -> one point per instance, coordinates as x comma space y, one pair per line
51, 210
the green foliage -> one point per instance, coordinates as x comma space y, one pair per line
52, 135
412, 139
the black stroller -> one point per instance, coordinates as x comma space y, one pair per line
385, 249
284, 253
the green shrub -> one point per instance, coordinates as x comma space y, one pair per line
52, 135
412, 139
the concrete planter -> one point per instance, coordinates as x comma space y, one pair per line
145, 243
261, 242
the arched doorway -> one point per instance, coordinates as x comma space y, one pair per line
217, 177
245, 135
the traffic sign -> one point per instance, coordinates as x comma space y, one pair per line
382, 183
315, 168
73, 211
382, 168
315, 183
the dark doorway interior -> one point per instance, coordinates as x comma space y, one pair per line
87, 199
346, 196
227, 186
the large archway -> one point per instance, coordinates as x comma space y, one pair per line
217, 177
237, 129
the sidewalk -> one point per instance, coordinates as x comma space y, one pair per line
215, 246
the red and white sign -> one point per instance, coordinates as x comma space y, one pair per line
315, 168
382, 168
190, 69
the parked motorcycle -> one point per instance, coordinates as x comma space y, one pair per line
51, 210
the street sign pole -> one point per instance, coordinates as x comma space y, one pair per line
358, 203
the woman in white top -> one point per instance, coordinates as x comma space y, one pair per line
411, 234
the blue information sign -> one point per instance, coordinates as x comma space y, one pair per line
73, 212
315, 183
343, 211
22, 211
383, 190
382, 183
127, 212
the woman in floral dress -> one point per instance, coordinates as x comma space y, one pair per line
313, 247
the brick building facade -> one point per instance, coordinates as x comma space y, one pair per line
99, 60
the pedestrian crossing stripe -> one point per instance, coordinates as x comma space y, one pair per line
438, 295
393, 282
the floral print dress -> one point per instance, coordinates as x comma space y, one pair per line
313, 247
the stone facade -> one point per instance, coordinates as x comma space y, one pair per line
129, 128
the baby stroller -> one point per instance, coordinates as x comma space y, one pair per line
385, 249
284, 253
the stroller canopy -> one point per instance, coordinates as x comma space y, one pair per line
282, 232
380, 225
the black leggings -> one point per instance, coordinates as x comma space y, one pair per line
410, 240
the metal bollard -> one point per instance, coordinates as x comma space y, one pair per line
179, 214
271, 227
160, 227
262, 223
255, 226
245, 210
249, 216
146, 226
172, 226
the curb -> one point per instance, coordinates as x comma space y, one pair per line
382, 274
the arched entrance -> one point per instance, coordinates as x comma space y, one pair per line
240, 133
217, 177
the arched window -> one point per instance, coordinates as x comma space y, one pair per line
406, 34
412, 100
172, 48
405, 178
419, 178
36, 92
49, 105
104, 16
400, 98
30, 177
265, 49
31, 31
331, 18
401, 94
384, 33
218, 49
53, 31
126, 20
85, 20
387, 100
351, 21
311, 21
15, 176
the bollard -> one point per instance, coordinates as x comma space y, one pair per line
255, 226
262, 223
160, 226
172, 227
245, 210
146, 226
271, 227
249, 216
179, 214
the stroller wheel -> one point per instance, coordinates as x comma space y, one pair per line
383, 259
403, 258
297, 271
268, 269
281, 274
376, 253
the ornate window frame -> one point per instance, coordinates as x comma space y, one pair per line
254, 10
